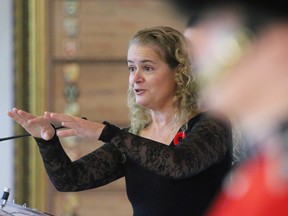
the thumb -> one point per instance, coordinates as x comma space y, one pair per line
47, 132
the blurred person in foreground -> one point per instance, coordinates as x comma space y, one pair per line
173, 157
205, 40
243, 72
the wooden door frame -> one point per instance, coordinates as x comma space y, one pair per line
30, 94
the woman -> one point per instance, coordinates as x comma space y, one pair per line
165, 174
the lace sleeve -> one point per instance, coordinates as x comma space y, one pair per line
207, 141
93, 170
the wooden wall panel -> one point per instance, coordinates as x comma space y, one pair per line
98, 203
104, 28
102, 91
107, 25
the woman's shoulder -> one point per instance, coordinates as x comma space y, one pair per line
210, 116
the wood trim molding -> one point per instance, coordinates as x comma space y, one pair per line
30, 94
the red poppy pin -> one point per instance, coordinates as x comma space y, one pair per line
178, 137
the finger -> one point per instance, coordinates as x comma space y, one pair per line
67, 121
10, 114
38, 121
47, 134
14, 115
73, 122
66, 133
47, 115
58, 117
26, 115
15, 110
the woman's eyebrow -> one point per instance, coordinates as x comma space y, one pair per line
142, 61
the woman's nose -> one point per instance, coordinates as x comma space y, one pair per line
138, 76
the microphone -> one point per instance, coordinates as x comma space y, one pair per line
5, 196
27, 134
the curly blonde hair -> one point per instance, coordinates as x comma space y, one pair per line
174, 49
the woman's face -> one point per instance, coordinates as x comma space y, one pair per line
150, 77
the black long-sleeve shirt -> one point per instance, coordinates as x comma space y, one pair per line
160, 179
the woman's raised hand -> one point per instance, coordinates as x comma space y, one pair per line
40, 126
37, 126
75, 126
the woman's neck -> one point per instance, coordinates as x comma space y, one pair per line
162, 128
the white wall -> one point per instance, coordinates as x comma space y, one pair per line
6, 96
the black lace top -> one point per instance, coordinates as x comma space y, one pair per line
160, 179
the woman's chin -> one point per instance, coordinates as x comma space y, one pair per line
141, 103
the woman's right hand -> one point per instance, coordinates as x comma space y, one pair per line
37, 126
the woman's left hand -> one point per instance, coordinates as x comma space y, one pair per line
75, 126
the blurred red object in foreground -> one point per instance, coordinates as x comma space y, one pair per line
258, 188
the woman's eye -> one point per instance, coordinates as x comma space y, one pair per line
148, 68
131, 69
